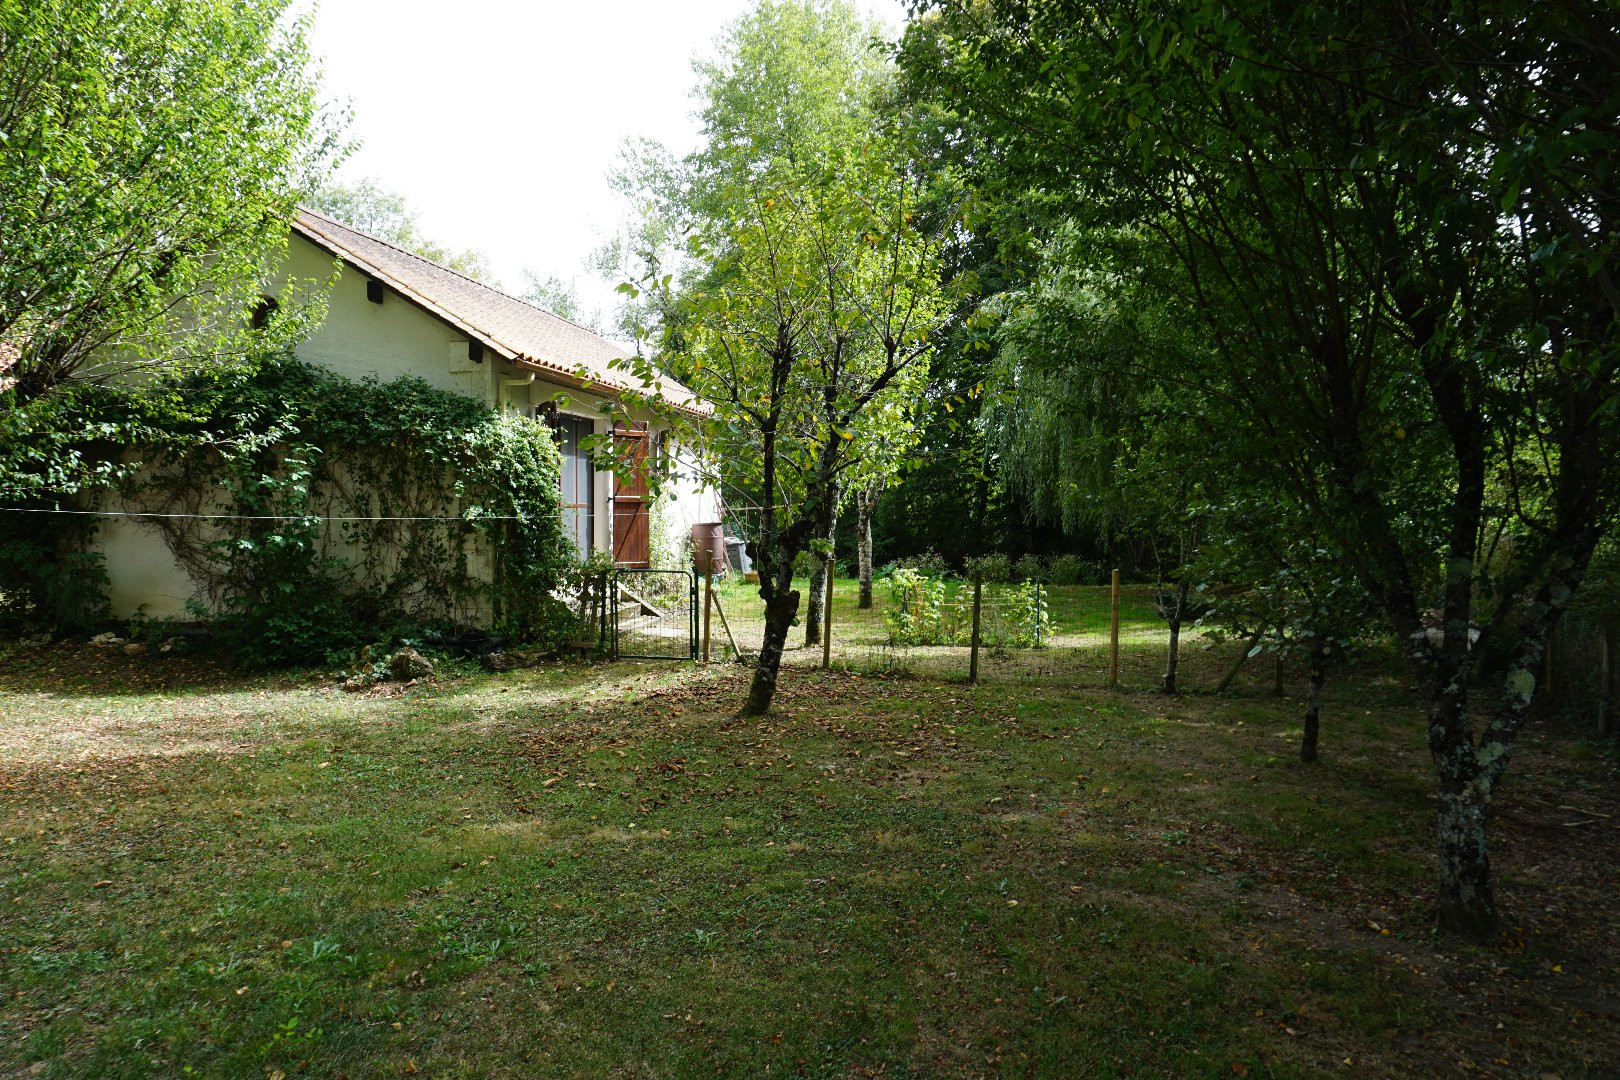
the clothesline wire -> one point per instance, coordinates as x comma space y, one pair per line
245, 517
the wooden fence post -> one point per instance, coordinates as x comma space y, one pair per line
708, 605
826, 619
1113, 632
973, 655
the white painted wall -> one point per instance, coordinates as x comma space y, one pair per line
389, 340
689, 501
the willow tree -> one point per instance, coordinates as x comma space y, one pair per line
1093, 429
802, 304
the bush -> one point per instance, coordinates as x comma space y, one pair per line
929, 564
921, 614
993, 569
807, 564
1028, 622
1029, 568
445, 513
43, 587
1071, 570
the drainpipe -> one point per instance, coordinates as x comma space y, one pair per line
500, 404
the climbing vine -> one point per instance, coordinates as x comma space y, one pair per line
351, 506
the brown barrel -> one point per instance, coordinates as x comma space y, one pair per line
709, 543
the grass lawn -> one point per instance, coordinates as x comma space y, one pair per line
588, 871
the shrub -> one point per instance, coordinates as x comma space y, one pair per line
1029, 624
993, 569
45, 588
1071, 570
929, 564
1029, 568
921, 614
806, 564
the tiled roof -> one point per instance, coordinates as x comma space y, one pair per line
513, 329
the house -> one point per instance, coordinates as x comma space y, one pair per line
391, 313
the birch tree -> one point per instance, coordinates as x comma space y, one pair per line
803, 304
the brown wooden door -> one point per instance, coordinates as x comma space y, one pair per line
632, 523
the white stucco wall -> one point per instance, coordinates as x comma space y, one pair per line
688, 500
143, 578
389, 340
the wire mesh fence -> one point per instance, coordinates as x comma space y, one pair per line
925, 625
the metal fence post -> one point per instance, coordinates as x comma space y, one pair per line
973, 655
1040, 610
1113, 632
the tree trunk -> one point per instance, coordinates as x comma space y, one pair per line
1174, 657
1313, 702
1467, 905
1237, 666
779, 612
820, 583
865, 503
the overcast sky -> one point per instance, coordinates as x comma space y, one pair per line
500, 119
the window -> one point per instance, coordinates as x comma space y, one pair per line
263, 312
578, 480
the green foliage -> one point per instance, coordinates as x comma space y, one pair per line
1283, 585
929, 564
53, 449
41, 586
288, 447
1397, 225
1029, 567
924, 611
993, 569
1072, 570
150, 157
920, 614
1026, 616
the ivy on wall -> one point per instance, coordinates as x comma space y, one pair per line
353, 506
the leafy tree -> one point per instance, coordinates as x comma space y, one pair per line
559, 297
1285, 586
1090, 431
808, 283
386, 214
150, 156
1398, 223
